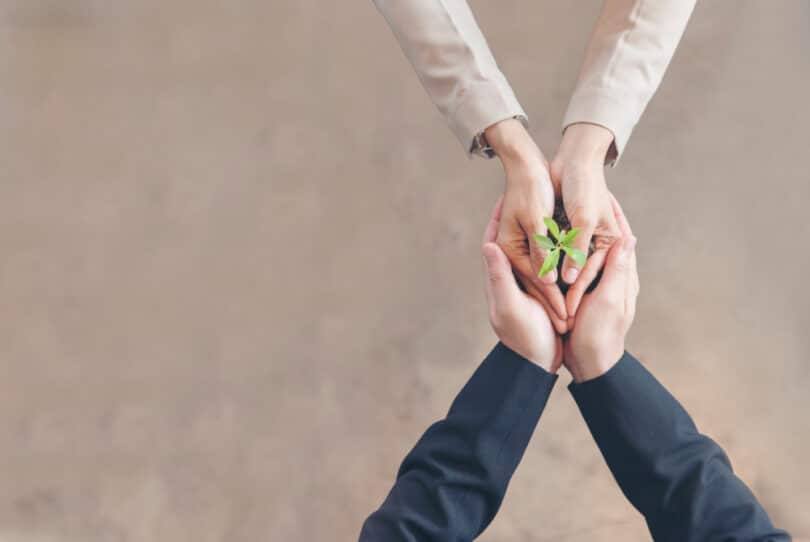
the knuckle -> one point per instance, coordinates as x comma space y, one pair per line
586, 223
512, 246
606, 231
611, 229
604, 242
523, 270
532, 218
581, 215
532, 226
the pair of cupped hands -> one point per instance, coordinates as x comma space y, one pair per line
529, 314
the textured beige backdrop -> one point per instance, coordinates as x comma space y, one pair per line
240, 273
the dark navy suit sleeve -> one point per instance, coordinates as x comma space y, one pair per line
681, 481
451, 484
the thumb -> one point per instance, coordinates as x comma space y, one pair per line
501, 286
582, 242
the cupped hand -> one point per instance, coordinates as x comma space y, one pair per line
528, 198
596, 341
578, 174
520, 321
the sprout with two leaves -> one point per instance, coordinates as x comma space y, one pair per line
563, 241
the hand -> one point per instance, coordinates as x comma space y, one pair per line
529, 196
519, 320
577, 172
597, 341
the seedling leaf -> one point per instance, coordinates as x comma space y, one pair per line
552, 227
576, 254
544, 242
569, 236
550, 262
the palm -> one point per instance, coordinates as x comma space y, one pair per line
541, 329
588, 329
520, 320
528, 198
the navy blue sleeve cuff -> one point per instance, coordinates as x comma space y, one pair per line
628, 409
680, 480
450, 486
503, 401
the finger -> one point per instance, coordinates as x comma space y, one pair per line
491, 231
617, 269
540, 290
607, 232
513, 244
560, 324
500, 285
537, 255
589, 273
552, 300
632, 276
582, 242
634, 282
632, 291
621, 219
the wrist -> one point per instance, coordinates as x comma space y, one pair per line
542, 360
536, 356
593, 366
585, 144
512, 144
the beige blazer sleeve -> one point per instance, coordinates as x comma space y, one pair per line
628, 53
442, 41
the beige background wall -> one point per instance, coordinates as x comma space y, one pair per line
239, 267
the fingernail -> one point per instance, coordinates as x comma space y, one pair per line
571, 275
550, 277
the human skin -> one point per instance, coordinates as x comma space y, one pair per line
520, 320
522, 323
605, 315
528, 197
578, 176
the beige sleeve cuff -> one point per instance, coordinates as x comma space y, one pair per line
480, 106
626, 58
444, 44
609, 110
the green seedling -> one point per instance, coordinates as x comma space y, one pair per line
563, 241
